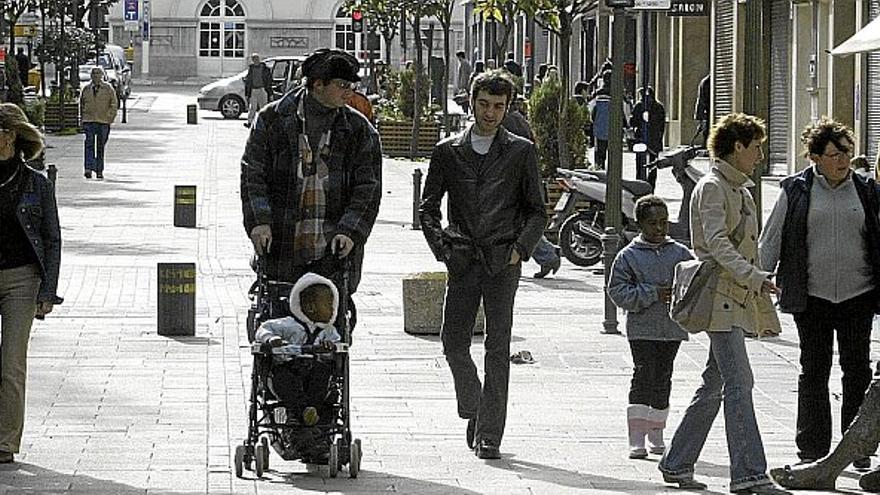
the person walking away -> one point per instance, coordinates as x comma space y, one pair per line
702, 108
311, 177
641, 284
463, 76
724, 228
257, 87
98, 106
824, 234
601, 117
24, 66
649, 131
30, 257
492, 228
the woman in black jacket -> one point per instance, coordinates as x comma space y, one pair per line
30, 255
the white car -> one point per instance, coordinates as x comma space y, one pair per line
116, 72
227, 95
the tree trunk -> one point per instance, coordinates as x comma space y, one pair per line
564, 78
417, 104
388, 40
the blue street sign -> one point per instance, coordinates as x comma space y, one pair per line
130, 10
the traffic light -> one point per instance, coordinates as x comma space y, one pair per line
357, 21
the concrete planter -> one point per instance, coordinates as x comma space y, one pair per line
423, 295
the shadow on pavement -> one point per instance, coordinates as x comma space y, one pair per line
576, 479
370, 482
119, 248
22, 477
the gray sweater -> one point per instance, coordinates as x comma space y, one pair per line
837, 265
638, 270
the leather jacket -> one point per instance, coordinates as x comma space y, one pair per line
495, 203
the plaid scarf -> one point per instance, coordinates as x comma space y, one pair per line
311, 232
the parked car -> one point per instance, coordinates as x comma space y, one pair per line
116, 72
227, 95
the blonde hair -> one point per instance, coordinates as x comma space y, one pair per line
28, 139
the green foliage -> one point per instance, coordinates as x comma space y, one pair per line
546, 124
35, 111
406, 99
77, 42
70, 95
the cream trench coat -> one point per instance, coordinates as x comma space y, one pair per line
719, 200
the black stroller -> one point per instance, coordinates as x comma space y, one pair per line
330, 441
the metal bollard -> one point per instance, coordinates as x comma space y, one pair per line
417, 197
52, 172
610, 241
124, 110
192, 114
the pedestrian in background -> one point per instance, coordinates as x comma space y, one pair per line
601, 117
641, 284
257, 87
724, 228
463, 76
493, 227
650, 132
98, 106
30, 257
824, 233
702, 108
511, 65
311, 177
24, 66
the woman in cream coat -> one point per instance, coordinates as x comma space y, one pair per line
742, 307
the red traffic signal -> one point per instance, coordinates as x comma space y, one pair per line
357, 21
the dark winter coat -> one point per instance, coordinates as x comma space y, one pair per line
269, 177
257, 72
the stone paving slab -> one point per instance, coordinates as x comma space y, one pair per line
115, 409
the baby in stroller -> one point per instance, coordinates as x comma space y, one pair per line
301, 385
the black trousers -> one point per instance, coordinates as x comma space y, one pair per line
601, 153
851, 319
300, 385
642, 173
653, 361
487, 402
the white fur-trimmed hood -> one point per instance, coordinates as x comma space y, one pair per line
296, 308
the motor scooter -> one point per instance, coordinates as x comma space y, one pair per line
580, 230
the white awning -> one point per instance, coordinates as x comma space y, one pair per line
866, 39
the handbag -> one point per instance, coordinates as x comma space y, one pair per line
694, 285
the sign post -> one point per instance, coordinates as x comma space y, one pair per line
145, 44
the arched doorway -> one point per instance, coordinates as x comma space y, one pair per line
221, 38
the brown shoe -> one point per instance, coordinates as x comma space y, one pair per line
6, 457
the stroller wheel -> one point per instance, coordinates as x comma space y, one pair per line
260, 456
239, 460
265, 443
333, 462
354, 464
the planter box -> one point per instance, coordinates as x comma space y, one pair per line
53, 121
395, 138
423, 295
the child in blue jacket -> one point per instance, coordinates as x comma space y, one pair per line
641, 284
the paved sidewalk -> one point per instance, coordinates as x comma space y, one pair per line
115, 409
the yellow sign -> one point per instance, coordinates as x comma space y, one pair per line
24, 31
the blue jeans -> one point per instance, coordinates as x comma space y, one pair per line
545, 252
96, 137
728, 378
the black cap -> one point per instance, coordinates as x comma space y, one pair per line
328, 64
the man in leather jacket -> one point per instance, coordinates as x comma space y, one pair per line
496, 216
257, 87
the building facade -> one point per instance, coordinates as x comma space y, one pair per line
212, 38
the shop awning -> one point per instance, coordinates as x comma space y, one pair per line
865, 40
